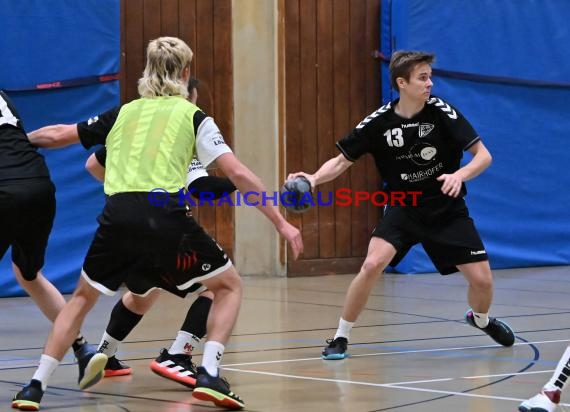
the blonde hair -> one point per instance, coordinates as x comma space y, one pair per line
166, 58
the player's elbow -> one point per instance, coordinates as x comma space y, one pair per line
94, 168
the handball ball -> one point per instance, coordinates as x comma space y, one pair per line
296, 195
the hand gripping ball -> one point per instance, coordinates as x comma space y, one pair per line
296, 195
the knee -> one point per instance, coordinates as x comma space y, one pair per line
207, 294
226, 282
137, 304
483, 282
373, 268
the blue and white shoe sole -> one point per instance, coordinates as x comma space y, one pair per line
335, 356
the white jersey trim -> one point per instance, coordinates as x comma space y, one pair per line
210, 143
195, 170
6, 115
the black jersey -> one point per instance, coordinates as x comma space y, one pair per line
95, 130
19, 159
411, 153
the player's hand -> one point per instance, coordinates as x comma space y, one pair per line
307, 176
293, 236
451, 184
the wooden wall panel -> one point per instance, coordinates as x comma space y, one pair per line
307, 139
206, 26
331, 83
340, 118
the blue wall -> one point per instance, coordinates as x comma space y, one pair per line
58, 40
521, 203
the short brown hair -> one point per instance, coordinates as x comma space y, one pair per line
403, 62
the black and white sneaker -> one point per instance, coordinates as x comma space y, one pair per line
178, 368
336, 349
498, 330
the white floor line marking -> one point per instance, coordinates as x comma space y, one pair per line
383, 385
405, 352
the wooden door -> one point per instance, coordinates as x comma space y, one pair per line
332, 81
206, 26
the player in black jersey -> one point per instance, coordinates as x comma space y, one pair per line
417, 142
27, 211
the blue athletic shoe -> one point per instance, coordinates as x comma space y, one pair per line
29, 398
91, 365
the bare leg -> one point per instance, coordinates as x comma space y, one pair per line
227, 291
43, 293
380, 253
480, 279
68, 322
139, 304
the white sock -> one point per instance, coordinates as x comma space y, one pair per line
109, 345
80, 339
561, 374
344, 329
213, 352
45, 369
481, 319
184, 344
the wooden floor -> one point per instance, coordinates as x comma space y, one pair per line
410, 350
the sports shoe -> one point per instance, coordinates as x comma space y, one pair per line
498, 330
178, 368
28, 399
336, 349
215, 389
545, 401
115, 367
91, 365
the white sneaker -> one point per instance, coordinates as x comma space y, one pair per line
543, 402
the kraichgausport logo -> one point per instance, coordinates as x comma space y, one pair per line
340, 197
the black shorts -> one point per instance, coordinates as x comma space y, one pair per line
27, 210
442, 226
146, 247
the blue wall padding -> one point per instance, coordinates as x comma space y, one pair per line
51, 41
521, 204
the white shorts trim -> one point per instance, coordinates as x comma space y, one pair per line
97, 285
208, 276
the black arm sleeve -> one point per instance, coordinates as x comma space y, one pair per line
211, 184
95, 130
101, 155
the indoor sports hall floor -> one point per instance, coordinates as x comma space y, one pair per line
410, 350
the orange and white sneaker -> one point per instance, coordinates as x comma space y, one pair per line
115, 367
178, 368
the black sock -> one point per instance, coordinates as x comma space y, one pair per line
197, 317
122, 321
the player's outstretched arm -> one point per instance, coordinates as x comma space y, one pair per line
59, 135
330, 170
246, 181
